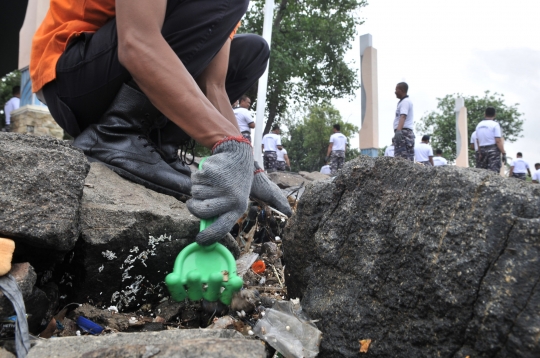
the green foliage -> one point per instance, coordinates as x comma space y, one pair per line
7, 83
441, 124
382, 150
309, 41
307, 141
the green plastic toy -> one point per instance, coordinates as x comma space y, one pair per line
203, 272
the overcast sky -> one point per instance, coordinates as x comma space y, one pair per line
460, 46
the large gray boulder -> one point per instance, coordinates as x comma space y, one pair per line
424, 261
41, 186
130, 239
173, 343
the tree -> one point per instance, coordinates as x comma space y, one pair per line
307, 141
7, 83
309, 41
441, 124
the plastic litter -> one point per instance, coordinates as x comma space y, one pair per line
287, 329
11, 290
88, 326
244, 263
258, 267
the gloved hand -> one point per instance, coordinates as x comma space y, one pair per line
287, 168
326, 159
221, 187
398, 136
504, 158
267, 191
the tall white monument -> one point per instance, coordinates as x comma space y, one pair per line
462, 152
369, 132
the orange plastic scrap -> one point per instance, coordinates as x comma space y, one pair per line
364, 345
258, 267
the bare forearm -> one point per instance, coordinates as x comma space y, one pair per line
500, 145
329, 150
161, 75
431, 161
401, 123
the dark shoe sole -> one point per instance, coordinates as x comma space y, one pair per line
123, 173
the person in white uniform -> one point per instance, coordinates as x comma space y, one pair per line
336, 149
244, 117
12, 104
438, 159
490, 144
536, 175
270, 143
403, 124
519, 168
389, 151
282, 159
423, 152
325, 169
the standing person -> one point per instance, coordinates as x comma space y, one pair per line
403, 124
389, 151
270, 143
243, 117
490, 145
519, 168
113, 71
423, 152
474, 146
282, 158
336, 149
536, 175
12, 104
438, 159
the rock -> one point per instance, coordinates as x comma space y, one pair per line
6, 354
171, 343
314, 176
424, 261
286, 179
40, 192
169, 309
130, 239
26, 277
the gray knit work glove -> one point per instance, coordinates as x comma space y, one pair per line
265, 190
398, 136
221, 187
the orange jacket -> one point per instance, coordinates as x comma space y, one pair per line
65, 19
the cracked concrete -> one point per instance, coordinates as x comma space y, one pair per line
426, 262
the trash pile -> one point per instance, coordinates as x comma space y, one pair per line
260, 310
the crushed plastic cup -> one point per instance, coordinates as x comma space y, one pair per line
258, 267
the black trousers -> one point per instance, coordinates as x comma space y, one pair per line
89, 74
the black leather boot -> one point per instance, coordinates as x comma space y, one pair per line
169, 139
120, 141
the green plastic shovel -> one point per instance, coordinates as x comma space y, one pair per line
207, 272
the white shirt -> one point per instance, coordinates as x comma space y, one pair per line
326, 170
244, 118
281, 154
11, 105
535, 175
486, 132
439, 161
422, 152
389, 152
270, 142
520, 166
473, 141
339, 141
405, 107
